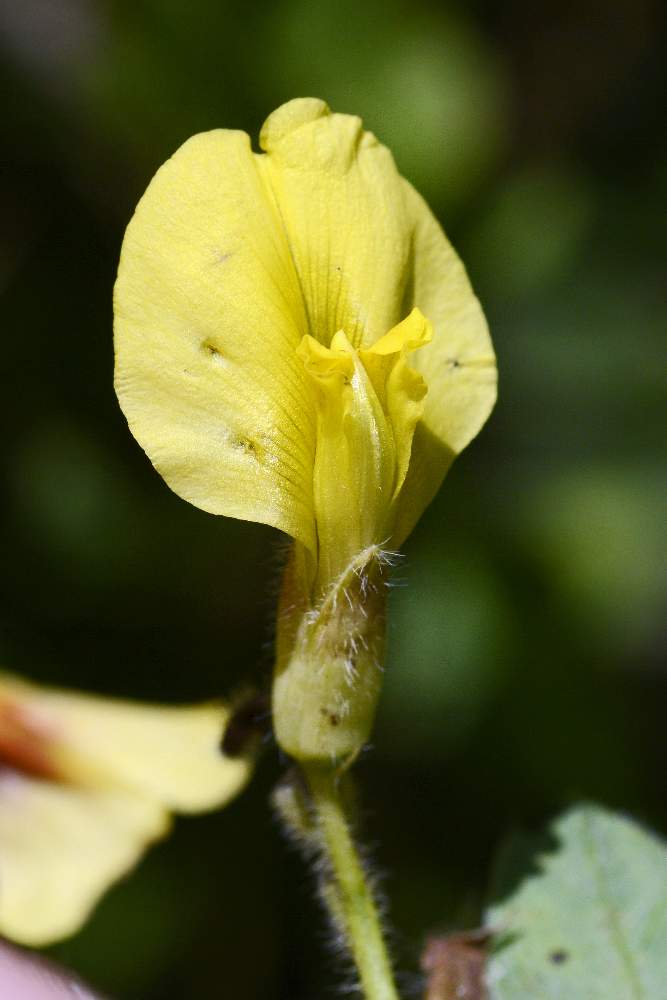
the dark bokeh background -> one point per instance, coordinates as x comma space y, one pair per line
527, 643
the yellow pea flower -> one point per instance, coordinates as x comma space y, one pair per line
86, 784
298, 344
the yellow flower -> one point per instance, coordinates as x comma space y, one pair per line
298, 344
86, 784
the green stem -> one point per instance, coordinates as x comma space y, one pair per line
351, 900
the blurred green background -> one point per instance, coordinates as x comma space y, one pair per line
527, 639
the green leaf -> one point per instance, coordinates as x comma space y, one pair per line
580, 913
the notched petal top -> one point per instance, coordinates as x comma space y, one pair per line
231, 259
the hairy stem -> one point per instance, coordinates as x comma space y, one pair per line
349, 896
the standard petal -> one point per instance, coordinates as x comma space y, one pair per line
61, 847
459, 365
340, 198
209, 312
170, 755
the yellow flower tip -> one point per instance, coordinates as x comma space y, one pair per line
86, 785
411, 333
333, 140
288, 118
